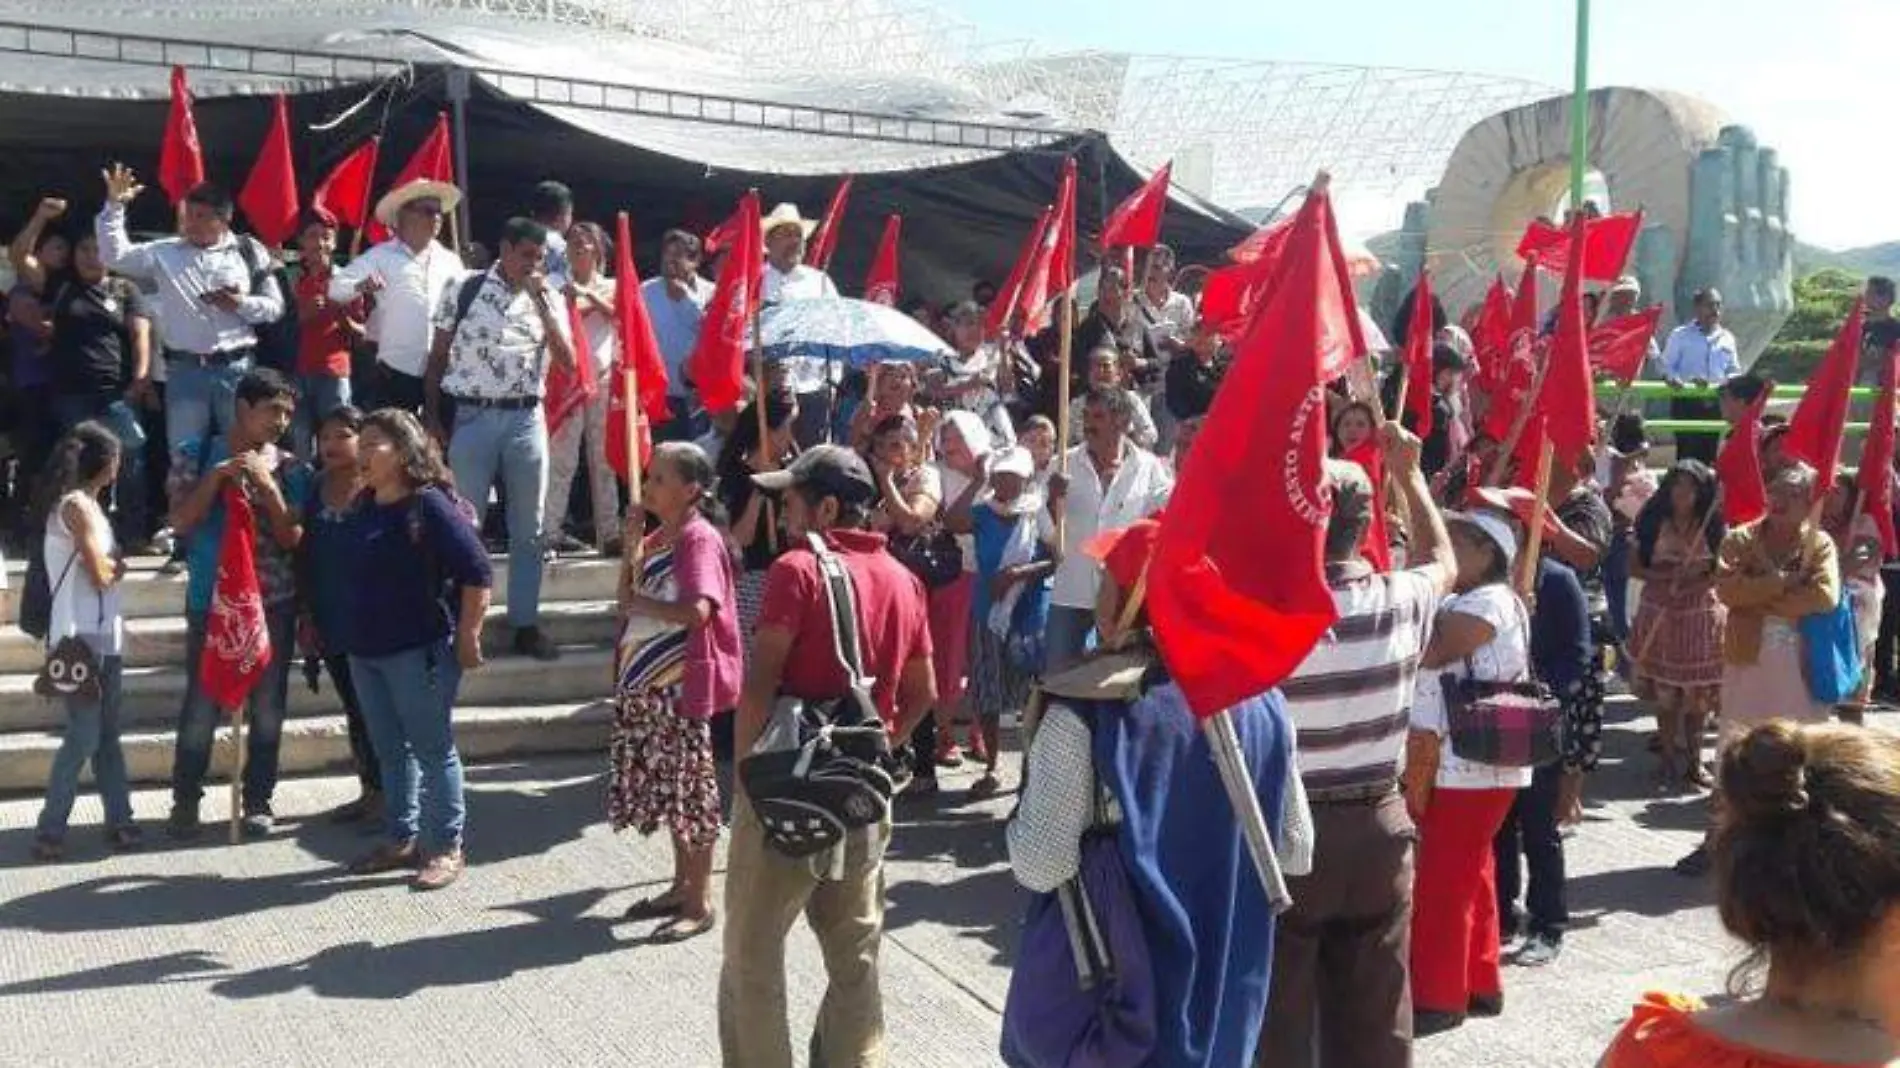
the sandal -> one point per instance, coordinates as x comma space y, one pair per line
985, 788
683, 928
655, 907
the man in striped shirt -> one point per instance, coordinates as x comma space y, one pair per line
1341, 993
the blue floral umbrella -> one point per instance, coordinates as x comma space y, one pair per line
855, 333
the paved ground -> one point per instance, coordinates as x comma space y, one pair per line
265, 955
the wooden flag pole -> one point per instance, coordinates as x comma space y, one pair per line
1065, 337
766, 458
237, 773
1534, 539
356, 242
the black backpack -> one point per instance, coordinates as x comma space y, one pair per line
278, 340
821, 768
35, 617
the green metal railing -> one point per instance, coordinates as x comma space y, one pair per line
1610, 395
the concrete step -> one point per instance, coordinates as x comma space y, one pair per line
321, 743
152, 695
160, 641
147, 595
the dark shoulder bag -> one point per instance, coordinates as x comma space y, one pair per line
1506, 724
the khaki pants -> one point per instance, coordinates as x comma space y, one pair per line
765, 892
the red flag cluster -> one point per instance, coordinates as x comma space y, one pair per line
1052, 272
1607, 242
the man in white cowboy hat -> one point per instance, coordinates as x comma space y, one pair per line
788, 278
1622, 301
405, 278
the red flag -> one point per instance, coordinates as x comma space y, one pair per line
344, 193
717, 364
1376, 547
269, 196
1227, 299
1002, 311
638, 350
181, 161
880, 286
1417, 363
1568, 397
1820, 420
725, 234
1236, 292
237, 645
824, 240
1876, 460
1491, 335
1519, 368
1053, 270
1529, 451
568, 391
1136, 221
1738, 467
1607, 242
1264, 243
434, 161
1230, 620
1619, 347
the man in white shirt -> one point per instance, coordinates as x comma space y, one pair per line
214, 288
496, 334
1110, 484
676, 305
1701, 352
788, 278
405, 277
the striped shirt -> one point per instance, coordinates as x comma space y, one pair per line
1351, 698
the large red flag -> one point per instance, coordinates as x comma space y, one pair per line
1417, 363
1876, 460
1053, 270
725, 235
1820, 420
269, 196
237, 645
880, 285
1232, 621
640, 350
1619, 347
433, 160
717, 364
1002, 311
181, 161
344, 192
1376, 546
1568, 398
1491, 337
568, 391
1738, 467
1136, 221
1607, 242
1264, 243
1518, 370
824, 240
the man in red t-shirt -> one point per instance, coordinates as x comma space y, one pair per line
827, 491
326, 330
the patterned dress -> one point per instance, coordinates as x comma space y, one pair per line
1687, 654
660, 763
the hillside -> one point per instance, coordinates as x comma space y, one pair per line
1871, 259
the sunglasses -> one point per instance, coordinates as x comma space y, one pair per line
424, 208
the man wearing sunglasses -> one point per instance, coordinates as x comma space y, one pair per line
404, 279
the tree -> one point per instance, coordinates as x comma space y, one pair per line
1821, 301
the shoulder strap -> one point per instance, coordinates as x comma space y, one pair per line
844, 609
465, 301
255, 258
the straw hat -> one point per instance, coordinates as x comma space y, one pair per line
419, 189
786, 215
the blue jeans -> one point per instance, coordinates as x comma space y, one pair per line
515, 443
200, 399
321, 395
92, 733
263, 716
129, 492
407, 699
1616, 585
1067, 636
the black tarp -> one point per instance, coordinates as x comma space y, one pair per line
961, 222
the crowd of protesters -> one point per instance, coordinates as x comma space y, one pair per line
394, 436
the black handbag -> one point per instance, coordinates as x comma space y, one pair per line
934, 556
822, 769
1516, 724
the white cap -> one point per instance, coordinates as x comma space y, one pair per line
1493, 527
1014, 460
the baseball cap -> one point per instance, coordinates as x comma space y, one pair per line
830, 470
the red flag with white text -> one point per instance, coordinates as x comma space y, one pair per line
344, 192
717, 364
1230, 620
1607, 243
269, 196
880, 285
1518, 372
1491, 335
824, 240
1820, 419
181, 161
1619, 346
237, 646
1136, 221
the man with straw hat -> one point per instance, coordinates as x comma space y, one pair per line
787, 277
404, 277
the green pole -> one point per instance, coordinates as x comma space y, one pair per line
1580, 108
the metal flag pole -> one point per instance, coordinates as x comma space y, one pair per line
1580, 108
237, 773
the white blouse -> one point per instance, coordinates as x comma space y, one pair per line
1505, 658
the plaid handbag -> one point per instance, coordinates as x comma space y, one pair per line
1506, 724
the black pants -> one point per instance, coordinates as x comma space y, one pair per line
362, 753
1886, 677
1530, 831
923, 749
394, 389
1696, 446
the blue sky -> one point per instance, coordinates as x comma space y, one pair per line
1815, 78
